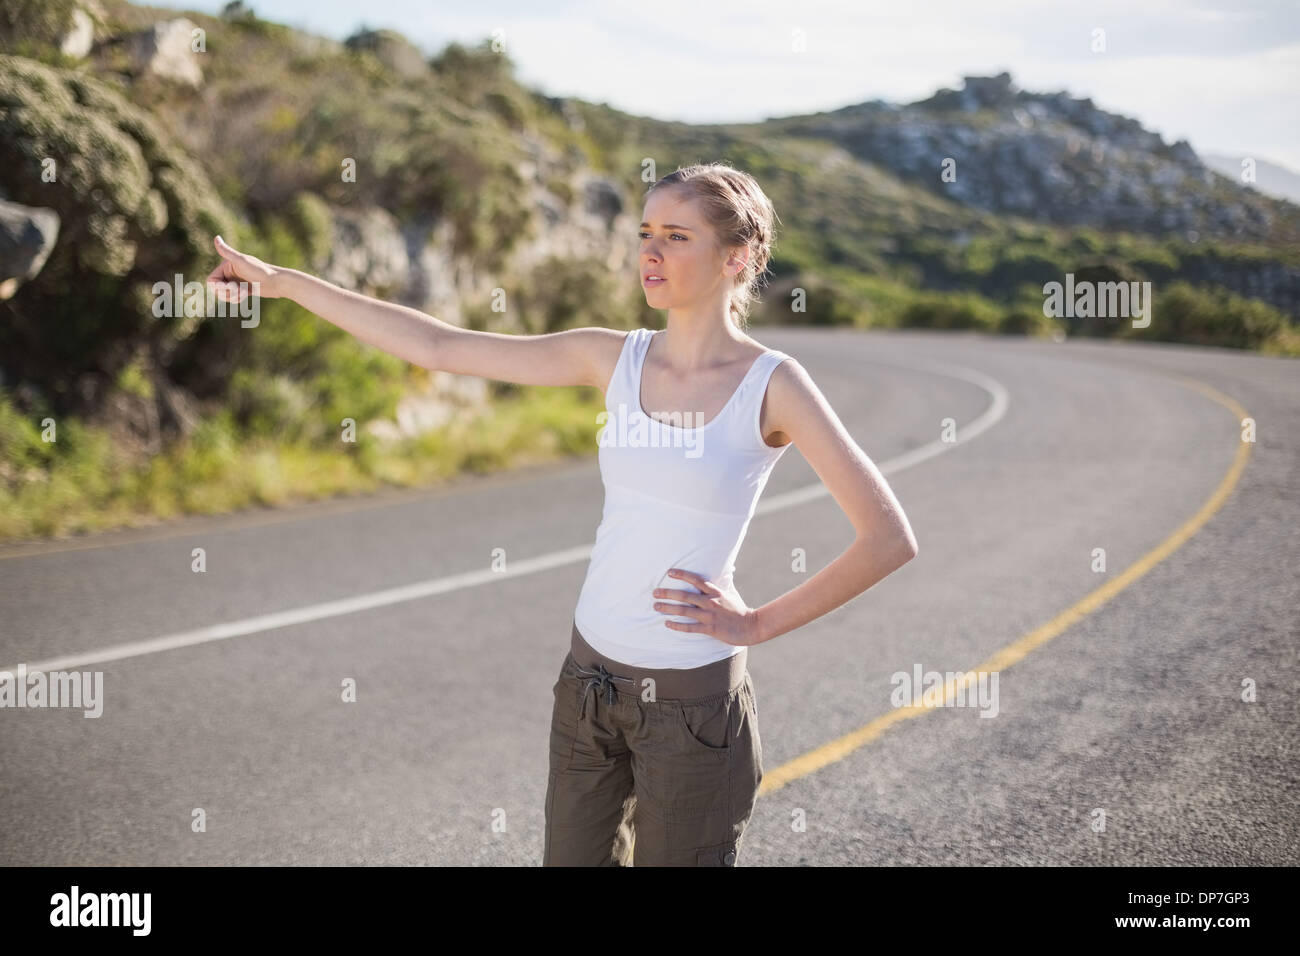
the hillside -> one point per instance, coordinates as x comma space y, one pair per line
443, 184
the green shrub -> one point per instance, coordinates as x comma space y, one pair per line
1207, 315
33, 24
952, 310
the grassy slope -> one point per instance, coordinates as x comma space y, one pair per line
864, 247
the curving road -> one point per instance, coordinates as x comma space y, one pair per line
1120, 733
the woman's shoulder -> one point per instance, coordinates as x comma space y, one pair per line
607, 346
758, 350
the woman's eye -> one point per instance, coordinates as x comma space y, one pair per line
677, 235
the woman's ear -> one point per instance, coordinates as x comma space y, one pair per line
739, 257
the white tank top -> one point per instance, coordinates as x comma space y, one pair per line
675, 497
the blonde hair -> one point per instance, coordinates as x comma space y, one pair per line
740, 213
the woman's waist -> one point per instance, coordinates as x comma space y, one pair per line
632, 570
706, 679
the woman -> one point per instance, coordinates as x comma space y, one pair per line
655, 756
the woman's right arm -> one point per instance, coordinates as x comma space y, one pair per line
571, 357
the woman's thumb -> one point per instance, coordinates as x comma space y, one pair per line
224, 249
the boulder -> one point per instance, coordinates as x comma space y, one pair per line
391, 49
79, 36
27, 236
164, 50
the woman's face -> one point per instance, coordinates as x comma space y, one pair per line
677, 244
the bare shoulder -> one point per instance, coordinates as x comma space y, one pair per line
792, 397
803, 415
604, 346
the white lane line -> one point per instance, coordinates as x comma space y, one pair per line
455, 582
312, 612
985, 420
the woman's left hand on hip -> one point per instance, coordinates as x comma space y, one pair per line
718, 613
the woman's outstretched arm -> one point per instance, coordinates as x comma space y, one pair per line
571, 357
407, 333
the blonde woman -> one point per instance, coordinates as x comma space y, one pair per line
655, 756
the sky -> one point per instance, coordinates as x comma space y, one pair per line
1224, 76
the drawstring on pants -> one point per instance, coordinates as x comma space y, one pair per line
599, 678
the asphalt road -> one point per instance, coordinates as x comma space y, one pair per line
1132, 716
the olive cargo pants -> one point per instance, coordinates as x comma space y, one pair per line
650, 774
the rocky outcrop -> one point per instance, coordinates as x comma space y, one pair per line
367, 251
1059, 159
414, 263
391, 49
1049, 157
166, 50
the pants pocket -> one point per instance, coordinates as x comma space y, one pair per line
564, 718
747, 756
710, 724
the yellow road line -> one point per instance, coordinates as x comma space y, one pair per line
1016, 651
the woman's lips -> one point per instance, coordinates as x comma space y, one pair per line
654, 281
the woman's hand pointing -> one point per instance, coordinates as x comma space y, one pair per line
232, 279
